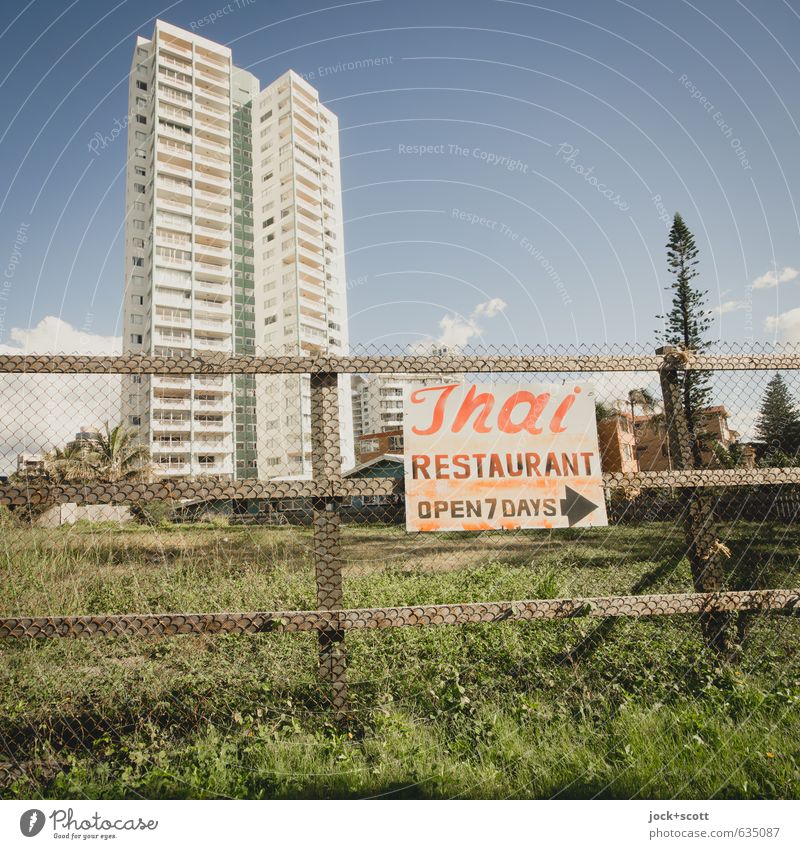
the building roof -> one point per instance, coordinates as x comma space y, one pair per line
395, 432
392, 462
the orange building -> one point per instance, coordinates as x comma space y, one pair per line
617, 443
652, 445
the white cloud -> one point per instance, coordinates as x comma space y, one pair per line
41, 411
728, 306
53, 335
785, 325
490, 308
773, 278
457, 330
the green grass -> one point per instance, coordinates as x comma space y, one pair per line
506, 710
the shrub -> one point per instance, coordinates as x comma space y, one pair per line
154, 512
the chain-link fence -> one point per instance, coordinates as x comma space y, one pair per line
268, 490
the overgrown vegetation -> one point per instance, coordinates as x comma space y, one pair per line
576, 708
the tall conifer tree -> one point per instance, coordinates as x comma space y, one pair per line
685, 327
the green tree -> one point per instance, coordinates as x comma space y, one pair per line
118, 456
778, 423
73, 462
113, 455
685, 327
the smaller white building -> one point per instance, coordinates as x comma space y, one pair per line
378, 399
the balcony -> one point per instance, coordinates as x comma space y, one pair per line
172, 45
207, 343
223, 327
213, 273
213, 252
217, 198
171, 403
212, 180
171, 469
172, 261
172, 341
171, 424
172, 113
212, 215
212, 161
308, 306
169, 77
213, 145
215, 58
221, 289
173, 321
309, 258
309, 243
170, 149
215, 405
172, 192
222, 235
171, 382
215, 469
211, 309
214, 445
171, 205
175, 98
210, 382
173, 167
220, 425
183, 244
179, 446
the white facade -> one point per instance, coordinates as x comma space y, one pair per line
378, 400
183, 265
300, 296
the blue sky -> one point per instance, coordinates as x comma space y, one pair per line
507, 167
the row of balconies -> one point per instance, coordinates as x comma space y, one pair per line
173, 424
203, 382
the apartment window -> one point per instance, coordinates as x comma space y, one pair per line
140, 136
137, 319
266, 177
139, 206
139, 188
138, 224
141, 85
136, 338
270, 319
266, 115
138, 243
137, 280
141, 153
135, 420
269, 221
138, 261
139, 171
136, 378
141, 119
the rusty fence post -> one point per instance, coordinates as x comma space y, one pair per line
705, 553
326, 465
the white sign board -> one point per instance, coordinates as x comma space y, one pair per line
483, 457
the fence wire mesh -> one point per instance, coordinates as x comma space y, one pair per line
242, 502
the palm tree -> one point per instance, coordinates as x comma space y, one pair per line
117, 456
73, 462
644, 400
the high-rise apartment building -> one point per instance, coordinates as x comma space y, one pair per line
233, 243
300, 300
